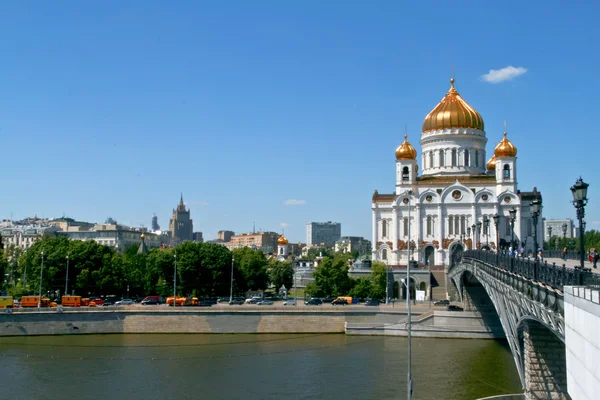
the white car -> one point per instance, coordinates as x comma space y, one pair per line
124, 302
289, 303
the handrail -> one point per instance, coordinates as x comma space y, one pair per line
555, 276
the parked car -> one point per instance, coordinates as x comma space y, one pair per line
206, 303
264, 303
150, 302
237, 301
340, 302
454, 308
372, 303
108, 303
313, 302
124, 302
441, 303
327, 299
289, 303
97, 301
223, 300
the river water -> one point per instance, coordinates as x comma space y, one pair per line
240, 366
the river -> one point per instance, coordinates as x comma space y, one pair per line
240, 366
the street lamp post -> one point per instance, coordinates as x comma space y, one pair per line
41, 277
175, 281
387, 283
67, 278
536, 209
409, 378
231, 282
474, 245
513, 216
479, 231
496, 222
486, 230
579, 190
469, 235
564, 228
549, 235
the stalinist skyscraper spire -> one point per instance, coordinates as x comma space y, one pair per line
181, 225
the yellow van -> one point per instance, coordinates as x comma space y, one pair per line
6, 302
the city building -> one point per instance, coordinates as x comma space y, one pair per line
181, 225
349, 244
558, 227
116, 236
198, 237
225, 236
323, 233
450, 205
65, 223
265, 241
24, 236
155, 227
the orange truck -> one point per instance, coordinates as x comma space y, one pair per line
180, 302
33, 301
71, 301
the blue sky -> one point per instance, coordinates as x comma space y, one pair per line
113, 108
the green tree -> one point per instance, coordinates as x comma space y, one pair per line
363, 287
378, 279
315, 252
331, 277
281, 274
252, 265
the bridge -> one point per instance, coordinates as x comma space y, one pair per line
528, 297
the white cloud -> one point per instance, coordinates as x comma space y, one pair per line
195, 203
294, 202
503, 74
284, 224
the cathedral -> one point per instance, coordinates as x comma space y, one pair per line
457, 199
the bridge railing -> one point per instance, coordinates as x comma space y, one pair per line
553, 275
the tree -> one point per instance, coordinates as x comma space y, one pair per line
281, 274
363, 288
378, 278
315, 252
252, 265
331, 277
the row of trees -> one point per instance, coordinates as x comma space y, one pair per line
591, 241
203, 269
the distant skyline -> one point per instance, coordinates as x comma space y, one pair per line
282, 113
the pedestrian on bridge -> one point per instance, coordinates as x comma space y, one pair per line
596, 257
564, 254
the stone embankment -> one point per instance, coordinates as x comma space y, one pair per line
351, 320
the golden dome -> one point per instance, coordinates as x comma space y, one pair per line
405, 151
491, 164
143, 236
452, 112
505, 148
282, 240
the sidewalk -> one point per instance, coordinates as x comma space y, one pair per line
573, 263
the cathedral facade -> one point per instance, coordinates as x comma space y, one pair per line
454, 203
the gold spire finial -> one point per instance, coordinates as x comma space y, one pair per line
505, 127
405, 137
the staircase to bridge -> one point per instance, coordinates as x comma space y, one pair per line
528, 298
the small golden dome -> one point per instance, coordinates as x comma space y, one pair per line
405, 151
452, 112
143, 236
282, 240
505, 148
491, 164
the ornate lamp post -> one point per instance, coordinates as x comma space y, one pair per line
67, 278
496, 222
41, 277
479, 232
536, 209
469, 232
486, 230
564, 228
473, 227
549, 234
231, 283
513, 216
175, 281
579, 190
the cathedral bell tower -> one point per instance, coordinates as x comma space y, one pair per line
505, 155
406, 165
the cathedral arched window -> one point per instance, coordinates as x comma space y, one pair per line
442, 160
384, 254
476, 158
506, 171
454, 157
384, 228
466, 157
451, 225
429, 226
431, 159
405, 173
457, 225
405, 226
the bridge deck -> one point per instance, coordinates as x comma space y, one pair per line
573, 263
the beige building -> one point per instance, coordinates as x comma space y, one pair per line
181, 225
112, 235
225, 236
266, 241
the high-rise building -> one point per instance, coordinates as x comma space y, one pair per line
323, 232
558, 227
181, 225
198, 237
155, 226
225, 236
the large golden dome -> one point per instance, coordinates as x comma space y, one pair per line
405, 151
282, 240
505, 148
491, 164
453, 112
